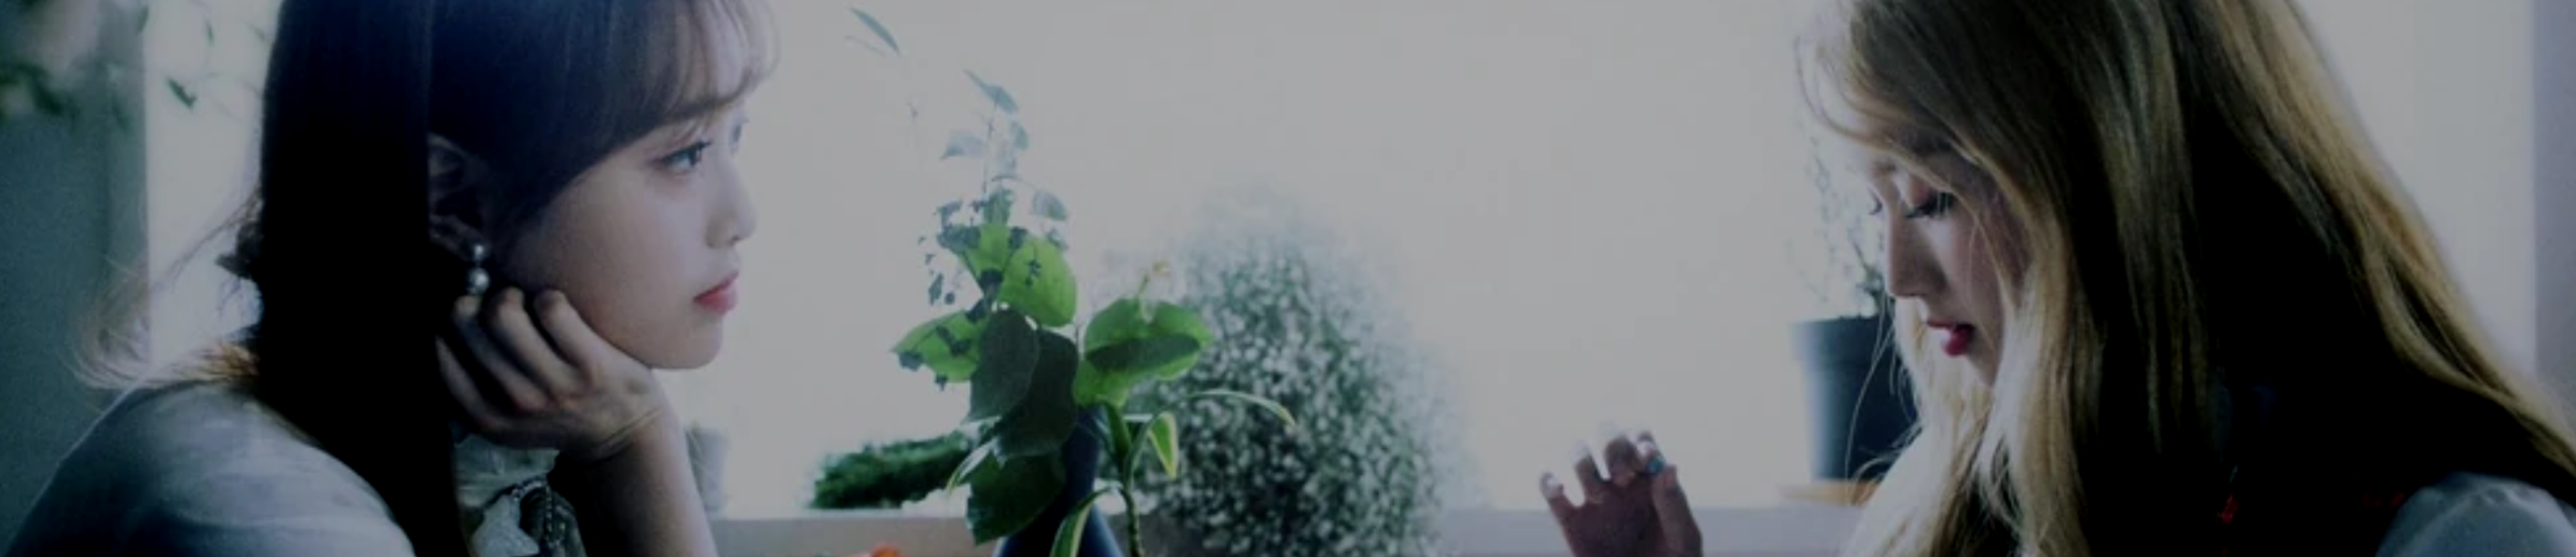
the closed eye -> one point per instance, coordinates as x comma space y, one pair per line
1939, 205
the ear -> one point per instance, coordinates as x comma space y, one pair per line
451, 182
455, 211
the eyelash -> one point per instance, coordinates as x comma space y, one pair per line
1938, 206
687, 158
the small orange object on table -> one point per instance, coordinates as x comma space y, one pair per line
882, 550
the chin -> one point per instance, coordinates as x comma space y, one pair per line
687, 354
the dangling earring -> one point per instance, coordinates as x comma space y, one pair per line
476, 280
463, 242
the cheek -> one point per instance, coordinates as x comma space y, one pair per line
605, 244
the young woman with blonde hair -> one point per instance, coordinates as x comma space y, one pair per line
2158, 296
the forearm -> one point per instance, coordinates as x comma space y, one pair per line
643, 500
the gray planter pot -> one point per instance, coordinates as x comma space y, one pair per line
1860, 401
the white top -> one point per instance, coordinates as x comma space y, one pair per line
206, 470
2477, 514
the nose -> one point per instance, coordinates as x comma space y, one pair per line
1911, 271
736, 219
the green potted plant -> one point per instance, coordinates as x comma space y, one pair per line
1300, 321
1859, 401
1046, 433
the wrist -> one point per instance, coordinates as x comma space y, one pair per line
643, 437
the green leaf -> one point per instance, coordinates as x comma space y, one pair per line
1037, 280
1045, 415
878, 28
1001, 97
1266, 404
1007, 496
946, 344
1122, 445
186, 98
142, 18
1165, 434
975, 461
963, 144
1047, 205
984, 249
1010, 362
1134, 341
996, 208
1068, 537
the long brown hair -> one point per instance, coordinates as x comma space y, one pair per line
2203, 217
335, 239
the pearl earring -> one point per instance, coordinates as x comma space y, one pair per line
476, 280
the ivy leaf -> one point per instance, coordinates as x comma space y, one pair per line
1068, 537
1038, 281
1010, 360
1019, 136
963, 144
1001, 97
878, 28
1045, 415
946, 344
1008, 494
1133, 341
1164, 433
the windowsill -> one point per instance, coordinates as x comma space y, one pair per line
1777, 531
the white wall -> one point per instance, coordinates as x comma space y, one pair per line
2445, 89
2554, 80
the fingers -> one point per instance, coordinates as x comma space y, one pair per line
460, 384
1554, 492
506, 320
1588, 472
1624, 464
574, 340
519, 393
1681, 531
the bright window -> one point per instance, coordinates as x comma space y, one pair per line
1579, 209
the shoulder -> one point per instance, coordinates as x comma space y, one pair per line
2479, 514
205, 469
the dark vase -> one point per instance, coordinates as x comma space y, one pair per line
1859, 398
1082, 454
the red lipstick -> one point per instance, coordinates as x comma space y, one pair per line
1960, 336
719, 299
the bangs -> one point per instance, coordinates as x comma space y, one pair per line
704, 57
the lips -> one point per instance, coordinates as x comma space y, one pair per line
1956, 338
721, 298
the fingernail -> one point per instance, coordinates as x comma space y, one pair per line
1548, 482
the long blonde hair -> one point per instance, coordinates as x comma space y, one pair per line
2148, 152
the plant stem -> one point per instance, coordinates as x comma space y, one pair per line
1135, 516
